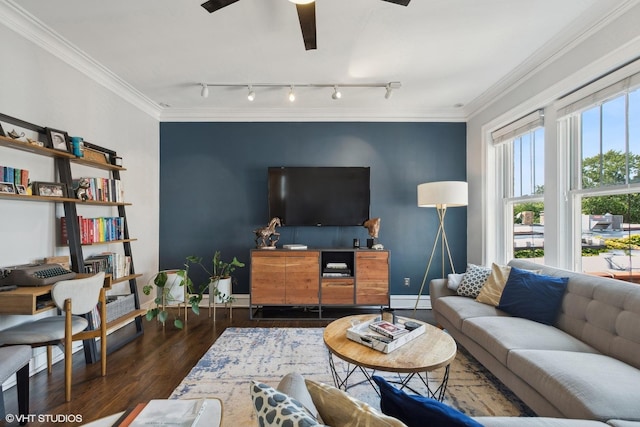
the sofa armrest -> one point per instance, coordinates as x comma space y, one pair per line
438, 288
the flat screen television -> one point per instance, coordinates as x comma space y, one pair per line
319, 196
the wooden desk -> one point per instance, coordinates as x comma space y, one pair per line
32, 300
26, 300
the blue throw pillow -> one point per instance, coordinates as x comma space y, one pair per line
533, 296
419, 411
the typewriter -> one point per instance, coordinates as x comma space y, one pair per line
34, 275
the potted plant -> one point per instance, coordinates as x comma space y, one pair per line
220, 276
172, 287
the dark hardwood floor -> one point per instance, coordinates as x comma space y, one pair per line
149, 367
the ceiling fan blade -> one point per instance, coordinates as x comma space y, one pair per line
400, 2
307, 17
213, 5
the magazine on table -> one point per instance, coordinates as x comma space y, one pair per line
362, 333
388, 329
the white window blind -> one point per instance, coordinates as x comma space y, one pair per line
598, 97
518, 127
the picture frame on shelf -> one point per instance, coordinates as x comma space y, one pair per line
50, 189
58, 140
21, 189
7, 188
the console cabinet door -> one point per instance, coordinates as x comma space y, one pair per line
268, 278
302, 278
372, 278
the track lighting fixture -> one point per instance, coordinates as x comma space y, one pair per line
388, 94
251, 95
336, 93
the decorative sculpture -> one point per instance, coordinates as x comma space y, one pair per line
267, 237
82, 192
373, 225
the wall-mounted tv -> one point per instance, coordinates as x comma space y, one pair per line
319, 196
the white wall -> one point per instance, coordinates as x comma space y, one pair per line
612, 46
39, 88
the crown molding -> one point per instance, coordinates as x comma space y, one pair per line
600, 17
170, 114
26, 25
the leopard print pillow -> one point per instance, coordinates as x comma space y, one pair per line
274, 408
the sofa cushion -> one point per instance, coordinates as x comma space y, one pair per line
338, 409
274, 408
533, 296
456, 309
473, 280
500, 335
580, 385
419, 411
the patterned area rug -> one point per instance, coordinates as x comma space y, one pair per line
240, 355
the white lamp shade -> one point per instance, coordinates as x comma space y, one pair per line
442, 193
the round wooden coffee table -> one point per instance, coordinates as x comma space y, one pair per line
432, 350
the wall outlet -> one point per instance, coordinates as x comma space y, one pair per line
407, 281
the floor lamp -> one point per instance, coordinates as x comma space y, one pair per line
440, 195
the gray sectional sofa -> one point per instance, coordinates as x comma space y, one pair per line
586, 366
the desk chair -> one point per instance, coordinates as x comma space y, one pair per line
15, 360
73, 298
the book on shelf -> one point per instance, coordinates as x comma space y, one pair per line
94, 230
387, 329
101, 189
174, 412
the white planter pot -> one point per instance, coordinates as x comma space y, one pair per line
173, 291
224, 288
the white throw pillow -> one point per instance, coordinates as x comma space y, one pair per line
454, 280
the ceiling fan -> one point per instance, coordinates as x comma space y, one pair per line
306, 14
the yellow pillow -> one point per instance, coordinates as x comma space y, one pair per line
337, 408
491, 291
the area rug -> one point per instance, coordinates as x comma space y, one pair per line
240, 355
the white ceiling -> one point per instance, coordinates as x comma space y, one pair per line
452, 57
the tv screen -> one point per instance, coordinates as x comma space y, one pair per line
319, 196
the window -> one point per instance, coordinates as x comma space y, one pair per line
605, 180
520, 154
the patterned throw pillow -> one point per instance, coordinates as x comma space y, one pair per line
473, 280
274, 408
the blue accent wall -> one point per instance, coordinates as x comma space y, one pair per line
213, 188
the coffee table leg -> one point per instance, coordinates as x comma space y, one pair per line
342, 383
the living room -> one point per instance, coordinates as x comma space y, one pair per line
198, 182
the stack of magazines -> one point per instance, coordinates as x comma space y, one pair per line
385, 336
336, 269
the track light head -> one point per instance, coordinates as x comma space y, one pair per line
292, 95
336, 93
205, 90
389, 92
251, 95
